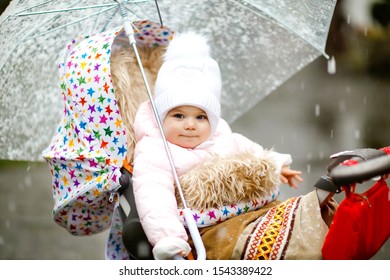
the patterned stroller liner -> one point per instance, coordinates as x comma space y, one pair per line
91, 143
89, 160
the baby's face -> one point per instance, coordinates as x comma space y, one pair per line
186, 126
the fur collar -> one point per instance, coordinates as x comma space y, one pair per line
229, 179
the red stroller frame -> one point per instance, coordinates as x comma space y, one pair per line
361, 224
344, 171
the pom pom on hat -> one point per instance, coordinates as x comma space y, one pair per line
189, 76
190, 45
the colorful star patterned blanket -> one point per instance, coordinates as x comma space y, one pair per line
89, 146
211, 216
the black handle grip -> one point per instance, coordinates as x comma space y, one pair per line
345, 175
359, 155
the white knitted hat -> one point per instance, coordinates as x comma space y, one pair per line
189, 76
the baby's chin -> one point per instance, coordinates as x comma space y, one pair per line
186, 142
188, 145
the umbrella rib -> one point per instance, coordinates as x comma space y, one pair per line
159, 12
25, 38
124, 2
132, 1
111, 6
65, 10
253, 9
116, 11
68, 24
28, 37
34, 6
133, 12
46, 21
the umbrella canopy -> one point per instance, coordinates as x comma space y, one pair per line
258, 44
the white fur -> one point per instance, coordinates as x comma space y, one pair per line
187, 45
225, 180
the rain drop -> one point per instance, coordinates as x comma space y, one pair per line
332, 65
317, 110
308, 169
2, 240
357, 134
331, 134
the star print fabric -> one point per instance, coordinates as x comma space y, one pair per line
216, 215
89, 146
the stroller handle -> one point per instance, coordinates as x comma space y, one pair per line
345, 175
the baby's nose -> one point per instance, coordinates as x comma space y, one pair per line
190, 123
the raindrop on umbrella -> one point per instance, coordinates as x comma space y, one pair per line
317, 110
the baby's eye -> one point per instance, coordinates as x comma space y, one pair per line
202, 117
178, 116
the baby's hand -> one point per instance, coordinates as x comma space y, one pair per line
288, 176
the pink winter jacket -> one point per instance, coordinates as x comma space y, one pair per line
153, 180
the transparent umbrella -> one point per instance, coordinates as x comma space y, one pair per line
258, 44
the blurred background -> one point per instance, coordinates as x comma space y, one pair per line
311, 116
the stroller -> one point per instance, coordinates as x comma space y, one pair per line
345, 170
90, 153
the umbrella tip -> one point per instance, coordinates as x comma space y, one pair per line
332, 65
